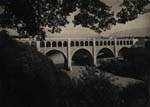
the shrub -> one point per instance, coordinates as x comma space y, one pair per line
95, 89
134, 95
136, 65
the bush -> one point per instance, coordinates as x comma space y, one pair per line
134, 95
92, 89
135, 66
97, 90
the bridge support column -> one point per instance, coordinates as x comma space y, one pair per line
69, 56
38, 45
115, 48
95, 60
94, 53
134, 41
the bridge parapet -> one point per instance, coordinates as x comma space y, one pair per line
80, 42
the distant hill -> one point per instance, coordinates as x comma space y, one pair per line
139, 32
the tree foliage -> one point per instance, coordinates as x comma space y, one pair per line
32, 15
95, 15
131, 9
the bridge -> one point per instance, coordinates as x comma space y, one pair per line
92, 48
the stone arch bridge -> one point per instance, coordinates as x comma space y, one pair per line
93, 46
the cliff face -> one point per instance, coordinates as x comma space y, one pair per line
27, 78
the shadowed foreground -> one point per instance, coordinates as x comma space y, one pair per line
30, 79
27, 78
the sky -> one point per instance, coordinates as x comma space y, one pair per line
143, 21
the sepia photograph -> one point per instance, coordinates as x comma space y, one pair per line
74, 53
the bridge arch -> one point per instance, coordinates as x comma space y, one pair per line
82, 56
57, 49
105, 53
122, 52
58, 57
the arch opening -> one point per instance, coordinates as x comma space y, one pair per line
105, 43
112, 43
48, 44
42, 44
124, 42
104, 54
82, 57
72, 43
86, 43
81, 43
58, 58
127, 42
54, 44
59, 44
131, 42
117, 42
123, 52
97, 43
108, 43
77, 43
101, 43
91, 43
65, 44
121, 43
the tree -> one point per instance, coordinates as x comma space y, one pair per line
32, 15
131, 9
27, 78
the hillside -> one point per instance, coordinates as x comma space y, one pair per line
27, 78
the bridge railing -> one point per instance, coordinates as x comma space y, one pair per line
76, 42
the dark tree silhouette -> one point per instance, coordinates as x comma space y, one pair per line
31, 15
131, 9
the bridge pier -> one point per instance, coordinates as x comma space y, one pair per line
115, 48
69, 62
69, 65
38, 45
94, 53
